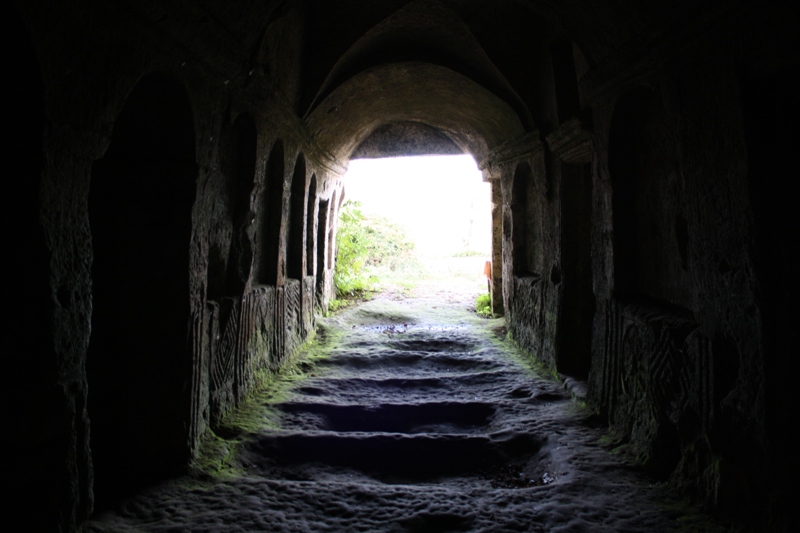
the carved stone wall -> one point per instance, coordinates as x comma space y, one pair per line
693, 231
677, 364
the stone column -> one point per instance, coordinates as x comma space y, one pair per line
497, 249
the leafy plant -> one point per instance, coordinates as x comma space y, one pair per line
469, 253
364, 244
337, 304
483, 306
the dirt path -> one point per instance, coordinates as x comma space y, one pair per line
410, 415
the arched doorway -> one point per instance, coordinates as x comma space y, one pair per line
138, 368
229, 270
311, 216
651, 233
270, 230
37, 474
295, 248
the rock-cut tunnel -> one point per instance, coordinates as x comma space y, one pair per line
173, 185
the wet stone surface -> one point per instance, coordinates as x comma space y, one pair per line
417, 419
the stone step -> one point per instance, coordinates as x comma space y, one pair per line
453, 417
385, 457
411, 364
433, 387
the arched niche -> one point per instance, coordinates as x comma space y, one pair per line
333, 214
297, 204
229, 262
650, 239
138, 368
311, 217
523, 223
271, 215
576, 314
323, 216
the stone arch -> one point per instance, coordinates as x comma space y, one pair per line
140, 210
472, 117
311, 217
650, 232
228, 272
427, 33
296, 245
271, 216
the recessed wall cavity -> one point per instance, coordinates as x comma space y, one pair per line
524, 224
272, 207
331, 240
311, 217
228, 270
574, 336
296, 251
323, 214
138, 365
650, 231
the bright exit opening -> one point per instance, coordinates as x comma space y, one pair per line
442, 206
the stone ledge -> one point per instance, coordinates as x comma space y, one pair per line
572, 142
525, 147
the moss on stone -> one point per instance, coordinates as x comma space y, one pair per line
216, 456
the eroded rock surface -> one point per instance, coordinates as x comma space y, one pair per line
418, 417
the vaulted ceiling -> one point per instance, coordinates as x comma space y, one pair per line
465, 73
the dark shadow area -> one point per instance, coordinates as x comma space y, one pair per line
323, 214
297, 203
395, 458
138, 367
650, 230
37, 479
523, 222
626, 143
270, 229
771, 113
574, 340
389, 418
566, 81
228, 273
311, 217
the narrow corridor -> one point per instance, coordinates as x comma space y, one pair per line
405, 415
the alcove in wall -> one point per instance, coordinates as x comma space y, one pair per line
138, 363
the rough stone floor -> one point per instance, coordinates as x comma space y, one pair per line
406, 416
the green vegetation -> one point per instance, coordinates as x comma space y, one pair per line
365, 246
483, 306
217, 454
337, 304
469, 253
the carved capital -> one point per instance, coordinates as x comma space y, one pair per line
571, 142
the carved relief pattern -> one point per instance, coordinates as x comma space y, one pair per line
222, 357
199, 394
279, 340
254, 345
308, 305
294, 316
655, 379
